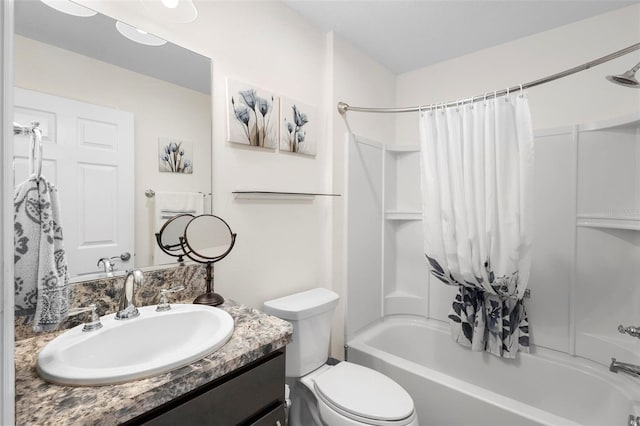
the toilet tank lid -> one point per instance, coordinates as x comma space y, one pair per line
302, 305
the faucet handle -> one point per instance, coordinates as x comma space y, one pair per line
163, 304
92, 325
631, 331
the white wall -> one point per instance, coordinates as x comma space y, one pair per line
160, 109
554, 309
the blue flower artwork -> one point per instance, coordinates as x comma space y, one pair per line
297, 132
175, 155
252, 115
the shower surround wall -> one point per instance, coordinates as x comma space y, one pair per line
581, 276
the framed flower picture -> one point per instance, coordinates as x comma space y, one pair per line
252, 115
298, 126
175, 155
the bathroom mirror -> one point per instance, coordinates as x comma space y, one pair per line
161, 94
208, 239
168, 238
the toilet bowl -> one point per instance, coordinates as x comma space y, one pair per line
350, 394
344, 394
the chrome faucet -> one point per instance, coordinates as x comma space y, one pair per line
106, 263
110, 262
630, 369
631, 330
127, 309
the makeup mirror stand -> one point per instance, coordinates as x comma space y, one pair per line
209, 297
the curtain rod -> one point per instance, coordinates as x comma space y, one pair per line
344, 107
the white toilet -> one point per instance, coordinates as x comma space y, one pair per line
344, 394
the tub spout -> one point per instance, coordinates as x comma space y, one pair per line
630, 369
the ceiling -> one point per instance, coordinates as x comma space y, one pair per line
406, 35
403, 35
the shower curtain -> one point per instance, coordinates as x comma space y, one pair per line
476, 175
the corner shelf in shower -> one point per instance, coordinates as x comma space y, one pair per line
401, 148
608, 222
277, 195
403, 215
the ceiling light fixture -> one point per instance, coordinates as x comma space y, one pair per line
70, 8
171, 4
139, 36
174, 11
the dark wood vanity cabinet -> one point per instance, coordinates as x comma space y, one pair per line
251, 395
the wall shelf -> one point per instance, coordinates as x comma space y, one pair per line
277, 195
592, 221
403, 215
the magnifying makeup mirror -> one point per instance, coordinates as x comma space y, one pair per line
207, 239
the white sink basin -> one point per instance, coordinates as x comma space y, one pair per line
125, 350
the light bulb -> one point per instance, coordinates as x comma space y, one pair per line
171, 4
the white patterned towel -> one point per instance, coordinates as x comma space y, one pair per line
41, 277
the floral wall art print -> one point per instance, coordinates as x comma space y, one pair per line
297, 130
175, 155
252, 115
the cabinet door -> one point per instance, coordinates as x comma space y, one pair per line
233, 401
275, 417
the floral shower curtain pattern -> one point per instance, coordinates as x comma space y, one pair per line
476, 175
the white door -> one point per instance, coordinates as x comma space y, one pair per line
88, 154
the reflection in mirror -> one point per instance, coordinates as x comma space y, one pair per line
169, 236
208, 239
121, 99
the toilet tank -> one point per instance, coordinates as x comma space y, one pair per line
310, 312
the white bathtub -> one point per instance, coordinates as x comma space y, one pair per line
451, 385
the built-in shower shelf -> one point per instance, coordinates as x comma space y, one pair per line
402, 148
591, 221
402, 302
277, 195
403, 215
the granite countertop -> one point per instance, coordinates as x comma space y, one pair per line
41, 403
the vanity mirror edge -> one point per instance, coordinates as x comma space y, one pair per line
7, 374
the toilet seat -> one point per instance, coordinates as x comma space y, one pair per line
364, 395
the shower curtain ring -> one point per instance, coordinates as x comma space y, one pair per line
521, 94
